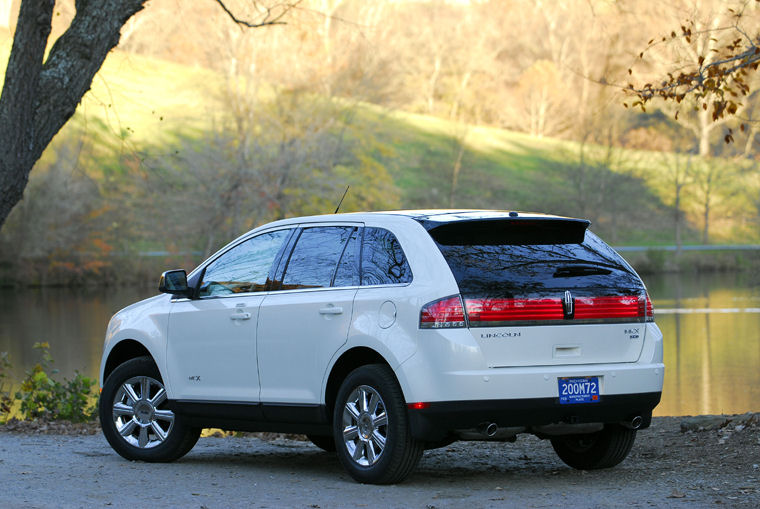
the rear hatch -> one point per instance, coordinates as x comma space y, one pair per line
543, 290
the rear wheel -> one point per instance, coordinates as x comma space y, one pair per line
603, 449
135, 418
371, 429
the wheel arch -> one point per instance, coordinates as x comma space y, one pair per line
123, 351
347, 362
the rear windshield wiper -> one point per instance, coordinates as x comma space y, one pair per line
580, 270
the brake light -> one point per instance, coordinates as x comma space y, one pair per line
627, 306
509, 310
649, 309
493, 312
443, 313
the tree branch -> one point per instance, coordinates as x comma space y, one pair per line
74, 60
270, 17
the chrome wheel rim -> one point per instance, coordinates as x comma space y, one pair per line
137, 412
365, 425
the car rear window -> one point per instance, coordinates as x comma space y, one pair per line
532, 259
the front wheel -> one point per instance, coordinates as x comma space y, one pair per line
370, 427
135, 419
603, 449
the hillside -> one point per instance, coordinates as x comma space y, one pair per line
140, 105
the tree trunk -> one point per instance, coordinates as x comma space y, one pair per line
678, 218
457, 169
39, 98
432, 83
706, 219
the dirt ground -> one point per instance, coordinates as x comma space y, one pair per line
709, 461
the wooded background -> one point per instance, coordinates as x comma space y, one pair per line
197, 129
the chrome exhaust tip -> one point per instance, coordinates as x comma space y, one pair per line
488, 429
634, 423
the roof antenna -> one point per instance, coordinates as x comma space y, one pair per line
341, 200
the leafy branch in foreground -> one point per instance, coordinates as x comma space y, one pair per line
715, 70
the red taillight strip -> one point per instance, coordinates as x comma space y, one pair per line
649, 310
442, 313
608, 307
506, 310
484, 312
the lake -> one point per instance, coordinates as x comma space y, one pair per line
711, 324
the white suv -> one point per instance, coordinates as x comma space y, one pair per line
380, 335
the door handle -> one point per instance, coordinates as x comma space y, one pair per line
240, 316
331, 310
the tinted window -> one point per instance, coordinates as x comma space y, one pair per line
245, 267
348, 267
383, 261
315, 257
497, 269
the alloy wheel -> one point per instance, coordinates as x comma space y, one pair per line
137, 415
365, 425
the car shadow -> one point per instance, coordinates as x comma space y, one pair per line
440, 467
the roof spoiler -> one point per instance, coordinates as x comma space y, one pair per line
501, 231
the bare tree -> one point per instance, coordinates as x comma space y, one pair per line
41, 92
678, 174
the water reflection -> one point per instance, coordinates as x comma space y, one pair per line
73, 321
711, 325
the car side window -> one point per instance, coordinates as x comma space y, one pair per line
315, 257
347, 273
245, 267
383, 260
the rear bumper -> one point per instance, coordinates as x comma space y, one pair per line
441, 418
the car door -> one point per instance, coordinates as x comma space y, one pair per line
306, 321
212, 340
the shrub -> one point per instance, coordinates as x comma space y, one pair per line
6, 401
43, 397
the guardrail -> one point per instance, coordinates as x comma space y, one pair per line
705, 247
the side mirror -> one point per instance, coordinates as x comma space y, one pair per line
175, 283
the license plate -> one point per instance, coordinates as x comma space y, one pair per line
573, 390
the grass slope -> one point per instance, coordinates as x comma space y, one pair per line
137, 101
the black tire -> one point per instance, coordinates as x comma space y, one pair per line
325, 443
373, 440
131, 401
603, 449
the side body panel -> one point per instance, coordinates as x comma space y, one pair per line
298, 333
145, 322
211, 351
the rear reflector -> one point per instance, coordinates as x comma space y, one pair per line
418, 406
443, 313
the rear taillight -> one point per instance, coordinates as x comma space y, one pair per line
443, 313
512, 310
598, 309
649, 309
589, 308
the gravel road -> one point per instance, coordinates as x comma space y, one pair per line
667, 468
